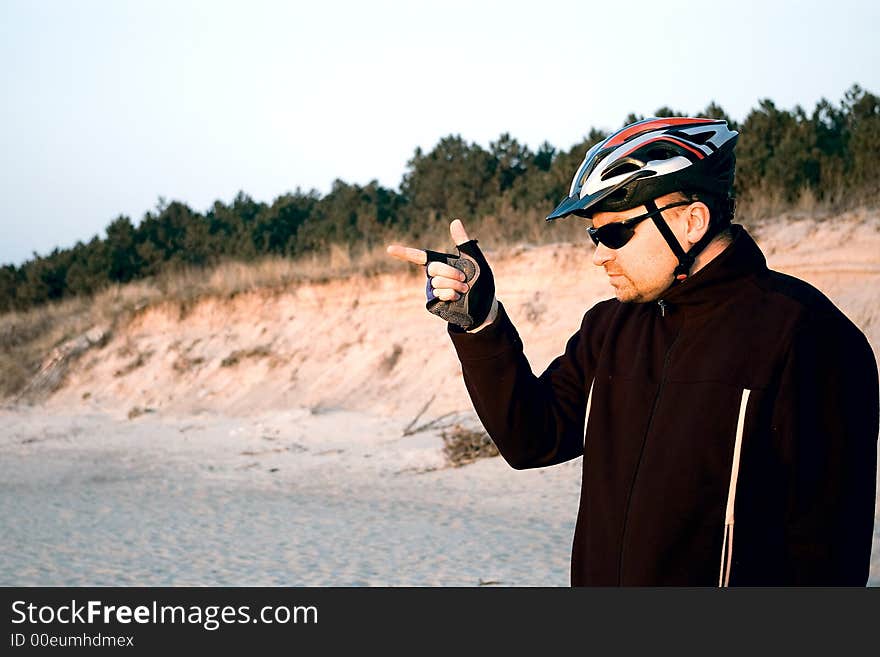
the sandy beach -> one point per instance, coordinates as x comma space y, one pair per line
283, 499
259, 440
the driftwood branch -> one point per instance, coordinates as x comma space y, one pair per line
412, 429
407, 430
433, 424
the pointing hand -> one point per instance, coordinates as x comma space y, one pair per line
460, 288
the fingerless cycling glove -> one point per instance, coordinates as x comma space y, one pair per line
471, 308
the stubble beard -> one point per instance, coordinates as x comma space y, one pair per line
624, 289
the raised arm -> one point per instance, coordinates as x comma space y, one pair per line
535, 421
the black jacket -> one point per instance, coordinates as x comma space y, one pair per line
730, 432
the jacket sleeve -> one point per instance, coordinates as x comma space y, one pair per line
535, 421
825, 424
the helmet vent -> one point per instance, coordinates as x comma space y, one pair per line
619, 196
622, 167
659, 154
699, 137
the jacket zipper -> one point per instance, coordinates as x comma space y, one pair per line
632, 487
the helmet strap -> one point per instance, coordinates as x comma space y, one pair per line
685, 259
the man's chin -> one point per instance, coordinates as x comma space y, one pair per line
622, 291
626, 294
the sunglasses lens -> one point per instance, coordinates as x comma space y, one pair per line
614, 235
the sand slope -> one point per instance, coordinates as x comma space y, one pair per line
368, 344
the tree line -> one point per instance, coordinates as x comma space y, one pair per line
830, 153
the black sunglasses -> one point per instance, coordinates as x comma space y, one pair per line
618, 233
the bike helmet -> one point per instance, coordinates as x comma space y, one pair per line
651, 158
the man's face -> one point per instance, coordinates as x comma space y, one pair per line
640, 270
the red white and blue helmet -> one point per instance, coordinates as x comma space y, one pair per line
651, 158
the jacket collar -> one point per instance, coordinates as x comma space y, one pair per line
721, 279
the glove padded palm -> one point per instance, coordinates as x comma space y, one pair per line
471, 308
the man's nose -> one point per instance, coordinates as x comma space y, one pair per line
602, 254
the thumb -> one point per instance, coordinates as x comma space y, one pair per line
459, 235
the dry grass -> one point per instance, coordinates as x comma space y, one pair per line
514, 228
462, 445
764, 206
15, 372
229, 279
27, 337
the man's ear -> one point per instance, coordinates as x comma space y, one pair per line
697, 216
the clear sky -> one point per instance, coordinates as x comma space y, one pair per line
108, 105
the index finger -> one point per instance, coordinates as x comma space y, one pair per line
415, 256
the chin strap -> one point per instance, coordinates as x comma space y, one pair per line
685, 259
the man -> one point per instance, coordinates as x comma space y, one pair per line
712, 399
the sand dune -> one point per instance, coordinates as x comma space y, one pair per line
367, 344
